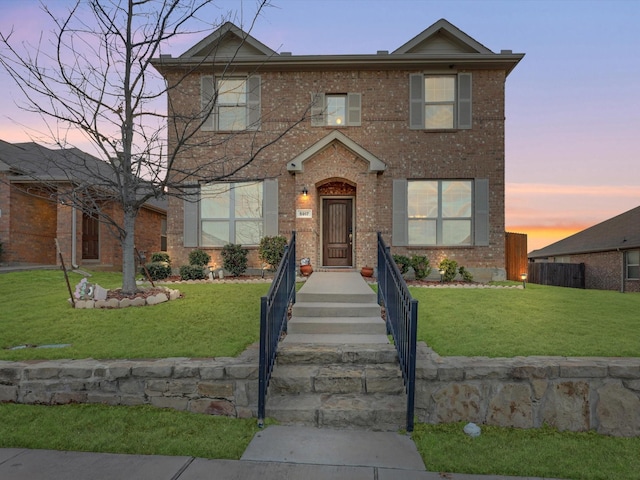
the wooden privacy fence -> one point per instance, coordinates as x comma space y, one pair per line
515, 255
557, 274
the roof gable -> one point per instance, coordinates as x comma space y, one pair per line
375, 164
228, 41
442, 38
619, 232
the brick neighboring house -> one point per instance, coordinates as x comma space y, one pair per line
33, 213
409, 143
609, 250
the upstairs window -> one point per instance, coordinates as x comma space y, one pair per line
632, 263
231, 103
440, 102
336, 110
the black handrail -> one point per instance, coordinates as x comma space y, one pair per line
402, 320
274, 309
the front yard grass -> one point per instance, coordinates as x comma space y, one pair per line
212, 320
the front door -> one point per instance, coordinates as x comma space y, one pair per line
337, 232
90, 237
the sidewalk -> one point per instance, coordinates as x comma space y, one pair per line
275, 453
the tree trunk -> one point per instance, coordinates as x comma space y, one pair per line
128, 253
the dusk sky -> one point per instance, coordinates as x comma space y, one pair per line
572, 104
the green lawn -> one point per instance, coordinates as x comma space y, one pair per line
538, 320
211, 320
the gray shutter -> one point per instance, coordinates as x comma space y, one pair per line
354, 109
400, 224
481, 212
206, 101
464, 100
416, 101
270, 203
317, 110
191, 225
253, 102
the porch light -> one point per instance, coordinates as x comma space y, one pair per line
304, 191
523, 276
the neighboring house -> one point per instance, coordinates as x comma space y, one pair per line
609, 250
408, 143
33, 213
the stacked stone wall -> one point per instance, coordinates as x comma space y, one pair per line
573, 394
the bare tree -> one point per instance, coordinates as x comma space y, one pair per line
96, 77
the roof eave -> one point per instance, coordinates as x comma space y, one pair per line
346, 62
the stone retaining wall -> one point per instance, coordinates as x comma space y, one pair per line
576, 394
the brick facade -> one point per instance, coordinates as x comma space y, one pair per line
606, 271
336, 170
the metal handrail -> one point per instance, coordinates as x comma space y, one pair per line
402, 320
274, 308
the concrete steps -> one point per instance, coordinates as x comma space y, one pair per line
336, 368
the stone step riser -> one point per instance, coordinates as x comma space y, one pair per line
332, 309
323, 355
379, 412
337, 298
357, 379
341, 326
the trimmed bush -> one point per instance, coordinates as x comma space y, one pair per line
199, 257
192, 272
271, 250
450, 269
157, 270
234, 259
421, 267
161, 257
466, 274
403, 263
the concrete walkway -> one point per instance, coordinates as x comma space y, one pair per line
300, 453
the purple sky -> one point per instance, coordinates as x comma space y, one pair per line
573, 103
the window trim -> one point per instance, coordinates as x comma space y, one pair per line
480, 221
462, 103
252, 104
353, 109
627, 264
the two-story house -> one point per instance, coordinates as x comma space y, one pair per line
410, 143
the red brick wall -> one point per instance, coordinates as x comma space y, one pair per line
5, 211
606, 271
32, 223
465, 154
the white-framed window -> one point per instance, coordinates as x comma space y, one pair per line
440, 101
440, 212
230, 103
632, 264
336, 109
231, 213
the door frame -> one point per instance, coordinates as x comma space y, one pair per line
353, 227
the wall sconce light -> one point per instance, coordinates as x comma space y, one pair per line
523, 276
304, 191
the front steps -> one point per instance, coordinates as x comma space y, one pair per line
336, 368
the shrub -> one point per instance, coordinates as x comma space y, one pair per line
421, 267
199, 257
192, 272
450, 269
161, 257
271, 250
234, 259
403, 263
157, 270
466, 274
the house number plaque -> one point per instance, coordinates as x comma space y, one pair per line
304, 213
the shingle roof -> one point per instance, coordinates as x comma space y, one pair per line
620, 232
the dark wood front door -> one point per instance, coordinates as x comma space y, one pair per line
90, 237
337, 232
